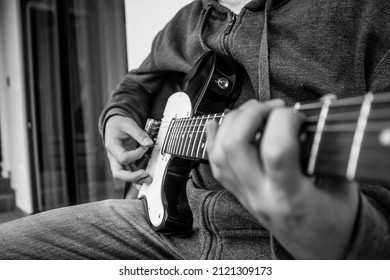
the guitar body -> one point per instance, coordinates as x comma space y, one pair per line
166, 194
347, 138
212, 85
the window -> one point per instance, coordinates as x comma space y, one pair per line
76, 54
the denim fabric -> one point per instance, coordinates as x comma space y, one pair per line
112, 229
119, 229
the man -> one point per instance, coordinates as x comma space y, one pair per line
261, 205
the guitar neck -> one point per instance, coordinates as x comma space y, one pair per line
347, 138
186, 137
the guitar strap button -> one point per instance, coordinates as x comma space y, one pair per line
223, 83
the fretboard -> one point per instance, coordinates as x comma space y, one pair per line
346, 137
186, 137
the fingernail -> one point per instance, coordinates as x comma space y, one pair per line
276, 102
144, 148
148, 180
147, 141
145, 178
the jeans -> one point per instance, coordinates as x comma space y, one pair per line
119, 229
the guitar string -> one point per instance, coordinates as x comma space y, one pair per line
310, 129
349, 101
185, 135
382, 113
372, 126
377, 122
333, 122
370, 140
200, 141
192, 126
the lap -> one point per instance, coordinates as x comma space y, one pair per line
111, 229
119, 229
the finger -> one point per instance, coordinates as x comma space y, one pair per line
271, 103
122, 127
211, 132
122, 156
119, 172
119, 139
259, 115
274, 103
138, 134
213, 151
139, 176
233, 154
246, 122
280, 149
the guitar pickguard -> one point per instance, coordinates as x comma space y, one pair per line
163, 169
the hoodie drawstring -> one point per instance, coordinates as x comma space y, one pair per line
264, 76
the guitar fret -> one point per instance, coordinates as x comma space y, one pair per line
196, 135
175, 134
167, 137
192, 135
206, 141
358, 137
185, 136
179, 136
221, 118
201, 136
318, 135
194, 127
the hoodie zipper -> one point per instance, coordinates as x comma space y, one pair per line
232, 21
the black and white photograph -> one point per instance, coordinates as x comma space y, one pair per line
254, 132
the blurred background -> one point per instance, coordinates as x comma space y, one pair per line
59, 62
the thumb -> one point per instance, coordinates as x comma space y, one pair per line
138, 134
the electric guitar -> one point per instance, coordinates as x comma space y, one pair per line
347, 138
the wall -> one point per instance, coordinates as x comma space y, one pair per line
13, 112
3, 107
143, 21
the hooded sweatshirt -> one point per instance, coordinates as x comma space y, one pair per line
296, 50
